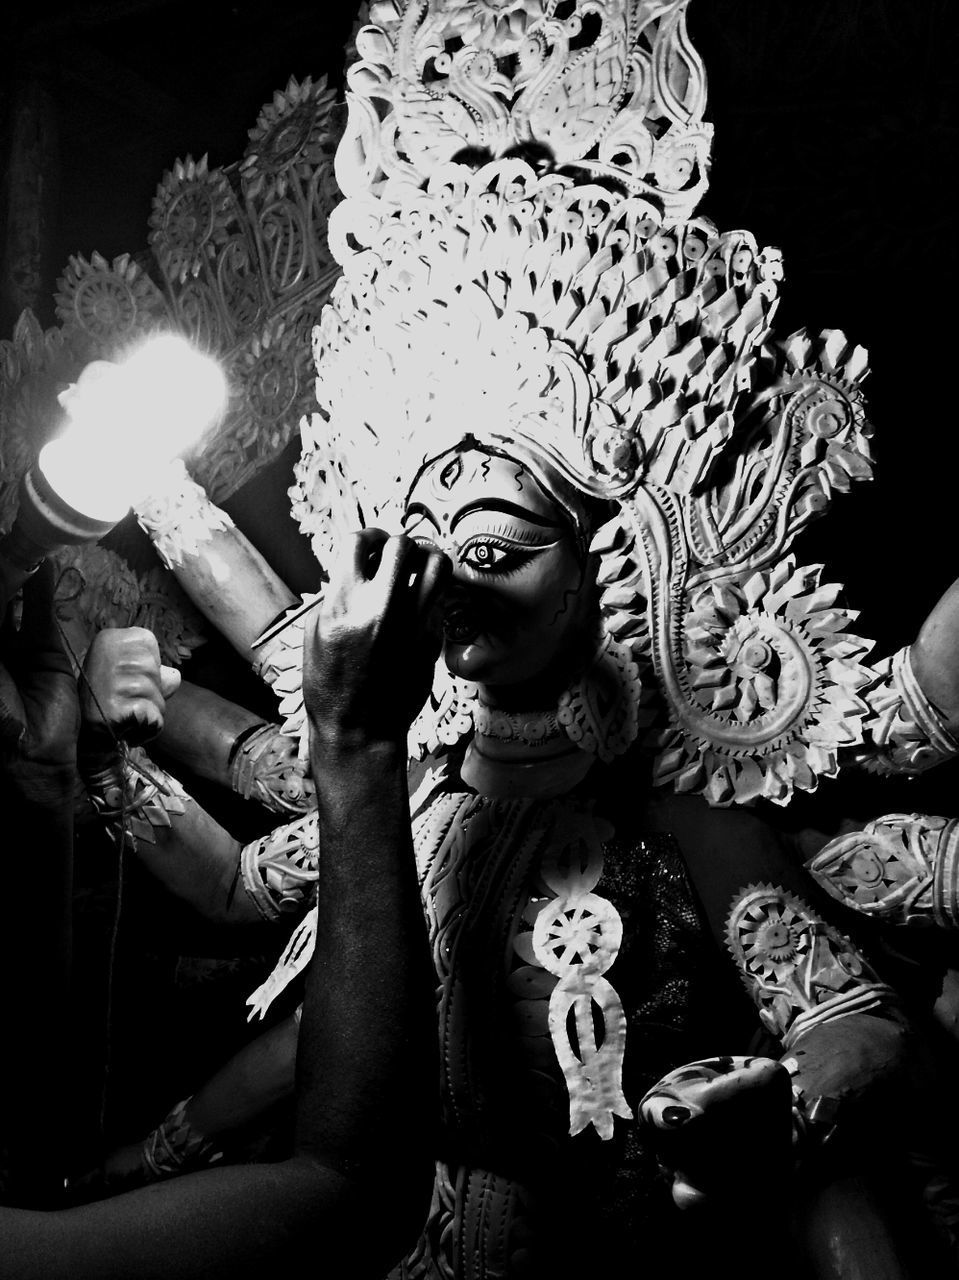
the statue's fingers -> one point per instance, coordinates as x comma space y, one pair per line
143, 720
169, 680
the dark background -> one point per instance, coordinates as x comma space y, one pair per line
835, 139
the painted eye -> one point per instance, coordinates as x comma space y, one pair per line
485, 556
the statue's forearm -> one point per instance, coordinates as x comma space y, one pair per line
222, 742
843, 1035
185, 848
224, 575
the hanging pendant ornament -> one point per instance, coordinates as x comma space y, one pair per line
576, 937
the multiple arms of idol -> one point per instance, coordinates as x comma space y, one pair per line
191, 853
840, 1027
913, 725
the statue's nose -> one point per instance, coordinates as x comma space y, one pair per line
454, 590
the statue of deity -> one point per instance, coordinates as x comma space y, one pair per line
542, 361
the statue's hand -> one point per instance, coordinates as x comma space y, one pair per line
371, 645
721, 1126
124, 687
38, 699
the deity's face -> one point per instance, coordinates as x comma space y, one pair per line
519, 612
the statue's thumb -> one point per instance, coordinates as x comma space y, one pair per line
169, 681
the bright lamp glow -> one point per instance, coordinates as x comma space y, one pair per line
126, 422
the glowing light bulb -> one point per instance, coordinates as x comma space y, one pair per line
126, 422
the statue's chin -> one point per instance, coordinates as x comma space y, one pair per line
470, 660
489, 661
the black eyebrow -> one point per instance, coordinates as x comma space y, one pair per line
417, 509
509, 508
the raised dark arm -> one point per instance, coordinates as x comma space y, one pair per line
352, 1195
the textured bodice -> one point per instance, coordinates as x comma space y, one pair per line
524, 897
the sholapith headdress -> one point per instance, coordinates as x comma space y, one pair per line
523, 265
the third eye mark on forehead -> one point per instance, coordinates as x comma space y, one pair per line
484, 504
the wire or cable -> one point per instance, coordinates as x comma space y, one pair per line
125, 834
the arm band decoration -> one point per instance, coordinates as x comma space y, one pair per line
279, 663
907, 732
800, 971
175, 1147
134, 796
902, 868
279, 869
267, 767
180, 518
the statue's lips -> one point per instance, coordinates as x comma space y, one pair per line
461, 624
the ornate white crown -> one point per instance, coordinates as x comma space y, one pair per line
522, 265
522, 262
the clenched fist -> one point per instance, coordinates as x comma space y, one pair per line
125, 686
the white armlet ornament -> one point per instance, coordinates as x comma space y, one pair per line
907, 732
175, 1147
279, 870
267, 767
135, 797
902, 868
800, 971
180, 519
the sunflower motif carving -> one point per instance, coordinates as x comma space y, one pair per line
286, 178
293, 138
773, 938
96, 588
799, 970
271, 389
193, 211
103, 306
165, 609
773, 687
273, 373
584, 933
34, 363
